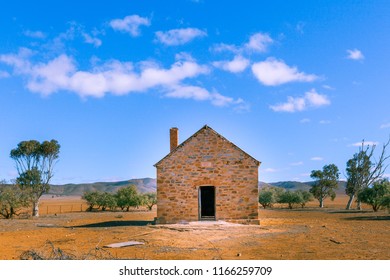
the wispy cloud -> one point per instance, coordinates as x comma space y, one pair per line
385, 125
355, 54
324, 122
130, 24
222, 47
311, 99
238, 64
201, 94
366, 143
35, 34
92, 40
273, 72
59, 44
177, 37
317, 159
270, 170
328, 87
299, 27
4, 74
257, 43
296, 163
305, 120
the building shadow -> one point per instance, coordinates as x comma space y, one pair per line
116, 224
350, 211
369, 218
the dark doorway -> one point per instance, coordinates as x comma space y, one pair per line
207, 203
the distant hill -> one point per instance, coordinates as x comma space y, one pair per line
294, 185
143, 185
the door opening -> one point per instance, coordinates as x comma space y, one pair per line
207, 203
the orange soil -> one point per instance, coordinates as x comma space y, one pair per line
309, 233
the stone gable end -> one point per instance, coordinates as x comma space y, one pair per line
207, 159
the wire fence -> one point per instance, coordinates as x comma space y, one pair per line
47, 209
52, 208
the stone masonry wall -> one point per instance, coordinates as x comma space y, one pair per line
207, 159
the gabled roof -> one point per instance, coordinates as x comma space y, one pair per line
206, 127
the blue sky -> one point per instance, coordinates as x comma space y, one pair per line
296, 84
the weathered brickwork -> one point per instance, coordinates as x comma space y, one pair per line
207, 159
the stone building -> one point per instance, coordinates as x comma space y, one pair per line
206, 177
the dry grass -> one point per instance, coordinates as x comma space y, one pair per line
309, 233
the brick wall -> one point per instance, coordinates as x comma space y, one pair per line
207, 159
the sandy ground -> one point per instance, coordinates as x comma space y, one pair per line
303, 234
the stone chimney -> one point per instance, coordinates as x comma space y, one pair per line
174, 137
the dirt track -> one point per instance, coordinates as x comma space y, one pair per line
310, 233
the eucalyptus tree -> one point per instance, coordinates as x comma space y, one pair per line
129, 197
376, 195
363, 169
12, 199
325, 183
150, 199
35, 162
290, 198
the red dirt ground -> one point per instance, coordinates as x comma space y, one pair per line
303, 234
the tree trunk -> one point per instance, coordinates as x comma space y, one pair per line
349, 204
35, 210
321, 203
359, 205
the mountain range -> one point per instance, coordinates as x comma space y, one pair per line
145, 185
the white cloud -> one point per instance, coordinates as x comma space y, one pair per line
270, 170
115, 77
355, 54
292, 105
311, 99
225, 47
35, 34
52, 76
366, 143
189, 92
385, 125
306, 120
324, 122
184, 56
315, 99
4, 74
92, 40
317, 158
296, 163
177, 37
258, 42
130, 24
273, 72
238, 64
19, 61
328, 87
299, 27
201, 94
